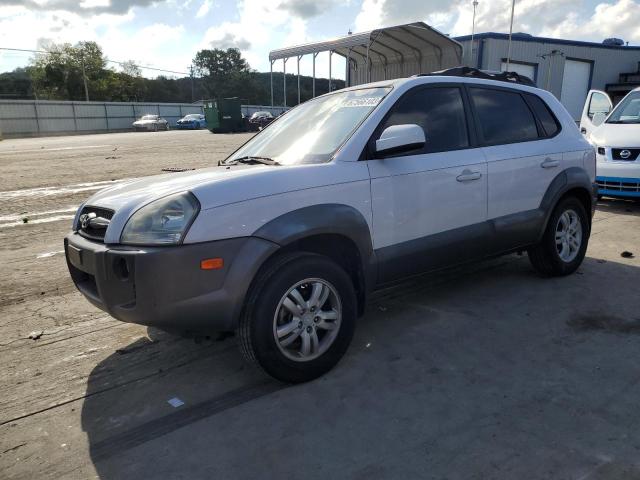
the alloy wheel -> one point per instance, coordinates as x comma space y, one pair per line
568, 235
307, 319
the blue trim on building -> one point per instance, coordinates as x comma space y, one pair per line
530, 38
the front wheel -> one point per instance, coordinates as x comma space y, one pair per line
299, 317
564, 243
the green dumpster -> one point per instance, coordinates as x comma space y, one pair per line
224, 115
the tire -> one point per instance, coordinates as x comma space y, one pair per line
265, 311
558, 257
155, 127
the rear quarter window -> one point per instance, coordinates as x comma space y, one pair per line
547, 119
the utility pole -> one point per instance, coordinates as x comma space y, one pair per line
473, 31
84, 78
513, 7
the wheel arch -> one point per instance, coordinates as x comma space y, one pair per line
337, 231
573, 181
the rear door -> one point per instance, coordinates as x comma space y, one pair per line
523, 157
598, 102
429, 205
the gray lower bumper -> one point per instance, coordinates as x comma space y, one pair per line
165, 287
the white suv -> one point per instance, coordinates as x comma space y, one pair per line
341, 195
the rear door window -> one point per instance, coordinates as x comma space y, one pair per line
439, 111
504, 116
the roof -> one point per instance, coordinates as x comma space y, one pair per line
525, 37
412, 40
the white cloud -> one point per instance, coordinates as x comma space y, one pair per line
204, 8
570, 19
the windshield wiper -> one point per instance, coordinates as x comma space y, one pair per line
251, 160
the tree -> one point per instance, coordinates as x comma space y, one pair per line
225, 74
62, 72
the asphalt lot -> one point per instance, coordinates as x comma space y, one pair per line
488, 371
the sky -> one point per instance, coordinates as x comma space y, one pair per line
168, 33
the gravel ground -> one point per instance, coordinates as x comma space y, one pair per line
487, 371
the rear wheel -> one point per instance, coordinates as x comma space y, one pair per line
564, 243
299, 317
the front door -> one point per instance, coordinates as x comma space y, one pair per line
596, 107
429, 205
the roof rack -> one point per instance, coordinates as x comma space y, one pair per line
511, 77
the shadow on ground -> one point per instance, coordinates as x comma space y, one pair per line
485, 372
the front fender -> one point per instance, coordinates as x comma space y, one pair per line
337, 219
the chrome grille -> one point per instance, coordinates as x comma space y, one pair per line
618, 185
94, 230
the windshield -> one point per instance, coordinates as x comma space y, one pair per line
627, 111
149, 117
313, 131
193, 117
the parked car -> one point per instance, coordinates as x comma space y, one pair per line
150, 123
343, 195
259, 120
616, 136
193, 121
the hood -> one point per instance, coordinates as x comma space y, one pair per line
617, 135
218, 186
144, 122
130, 195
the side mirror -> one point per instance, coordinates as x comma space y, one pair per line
598, 118
400, 138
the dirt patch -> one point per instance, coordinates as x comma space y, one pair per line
605, 323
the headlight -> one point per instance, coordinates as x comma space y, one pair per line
162, 222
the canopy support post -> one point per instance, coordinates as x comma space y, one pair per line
330, 53
313, 84
368, 71
271, 77
284, 80
299, 57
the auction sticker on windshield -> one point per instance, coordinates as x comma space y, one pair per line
362, 102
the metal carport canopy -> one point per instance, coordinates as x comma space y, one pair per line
383, 53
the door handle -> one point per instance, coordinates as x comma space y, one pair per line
468, 175
549, 163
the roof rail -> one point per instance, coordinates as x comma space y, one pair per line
511, 77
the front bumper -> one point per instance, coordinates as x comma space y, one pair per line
164, 287
618, 178
618, 187
144, 128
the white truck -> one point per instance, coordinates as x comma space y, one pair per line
616, 137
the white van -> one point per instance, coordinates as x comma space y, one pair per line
616, 136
